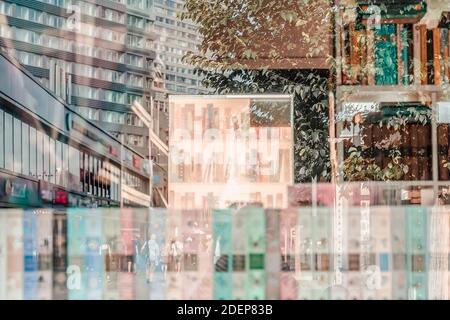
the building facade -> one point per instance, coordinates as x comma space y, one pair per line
176, 38
51, 156
104, 48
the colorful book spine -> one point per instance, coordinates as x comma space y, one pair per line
353, 281
30, 248
205, 256
222, 251
381, 273
256, 246
174, 280
416, 249
442, 136
386, 55
272, 258
59, 261
93, 259
190, 237
304, 250
438, 248
76, 251
288, 281
437, 56
240, 254
398, 247
423, 54
15, 252
127, 252
322, 240
157, 227
45, 253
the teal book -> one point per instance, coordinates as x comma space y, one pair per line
93, 260
416, 252
256, 247
273, 257
76, 251
222, 251
109, 252
240, 259
30, 249
386, 55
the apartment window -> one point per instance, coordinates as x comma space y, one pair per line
133, 97
133, 120
112, 96
135, 41
85, 92
27, 36
113, 117
90, 113
136, 22
135, 140
135, 60
135, 80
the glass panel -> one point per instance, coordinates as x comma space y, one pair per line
25, 149
40, 154
52, 161
74, 168
8, 142
46, 149
17, 145
33, 159
58, 163
65, 164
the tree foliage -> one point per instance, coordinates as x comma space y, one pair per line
272, 37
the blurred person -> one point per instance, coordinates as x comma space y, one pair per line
176, 251
153, 256
165, 252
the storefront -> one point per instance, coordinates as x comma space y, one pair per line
52, 156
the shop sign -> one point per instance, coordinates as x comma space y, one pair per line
61, 197
17, 190
45, 191
136, 162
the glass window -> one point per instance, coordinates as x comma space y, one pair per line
65, 164
52, 170
74, 168
40, 154
46, 150
9, 142
2, 151
25, 149
33, 152
58, 163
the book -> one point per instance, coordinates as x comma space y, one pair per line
437, 55
423, 54
386, 55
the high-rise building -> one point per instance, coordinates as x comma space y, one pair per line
105, 48
176, 38
96, 54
